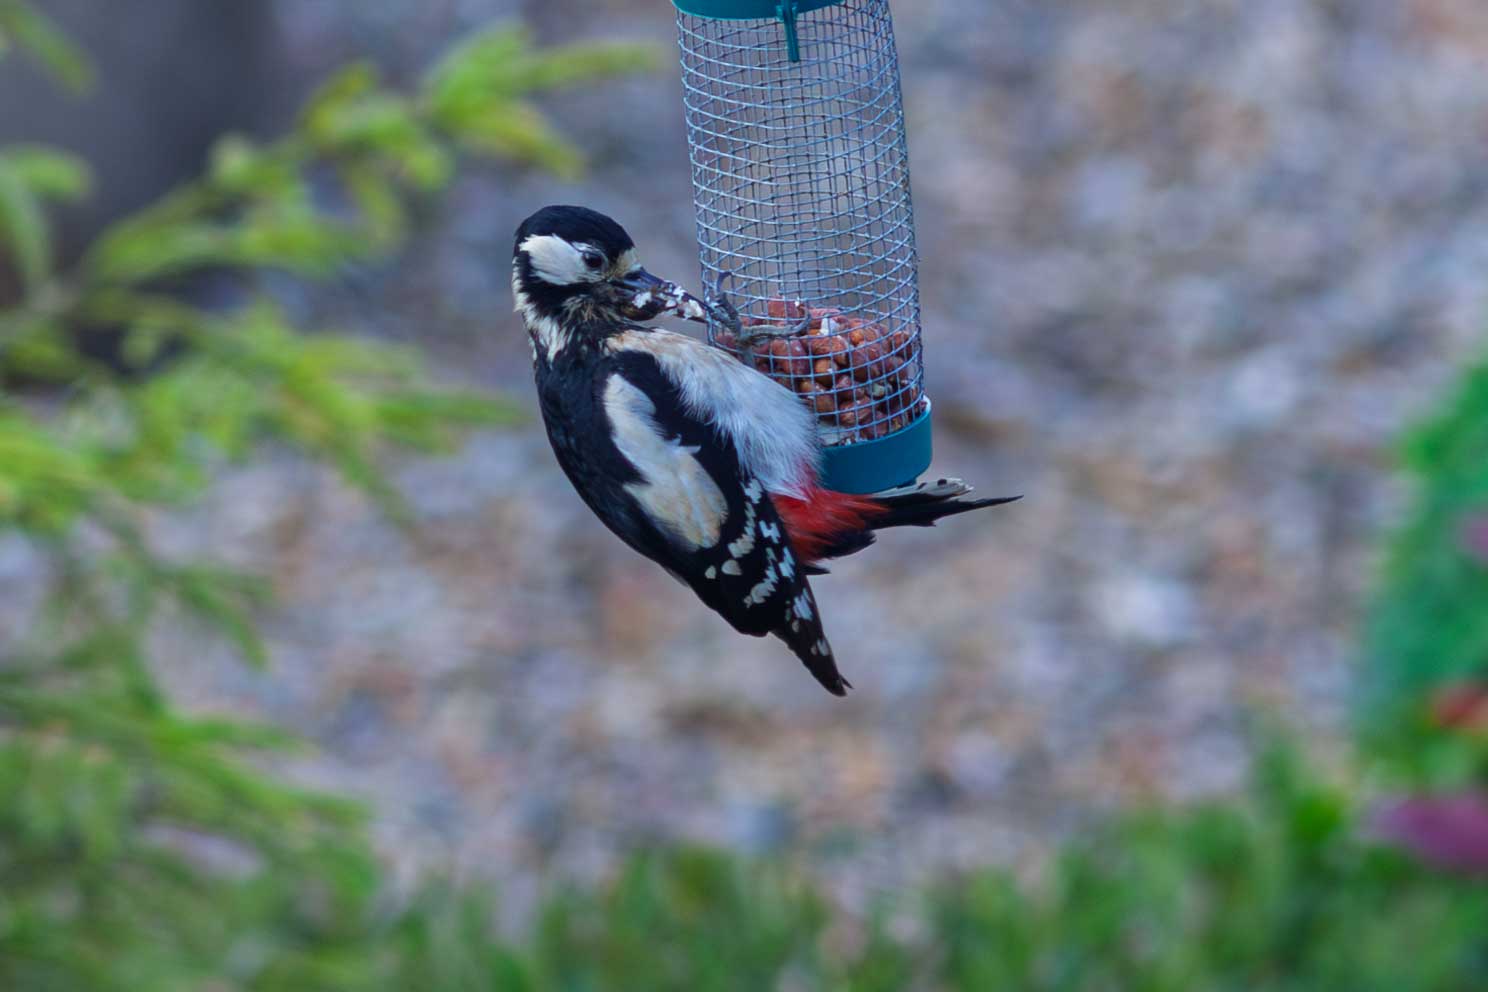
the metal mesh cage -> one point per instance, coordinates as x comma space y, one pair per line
801, 182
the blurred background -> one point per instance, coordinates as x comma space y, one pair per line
1190, 273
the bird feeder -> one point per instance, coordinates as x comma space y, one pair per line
800, 171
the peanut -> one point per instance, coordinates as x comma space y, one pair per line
855, 375
867, 362
785, 309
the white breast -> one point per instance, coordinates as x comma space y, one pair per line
773, 432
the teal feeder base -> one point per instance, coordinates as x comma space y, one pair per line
873, 466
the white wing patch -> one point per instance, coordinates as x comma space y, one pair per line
675, 490
773, 432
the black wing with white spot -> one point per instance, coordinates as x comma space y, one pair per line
689, 507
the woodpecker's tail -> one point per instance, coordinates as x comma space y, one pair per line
923, 503
823, 666
804, 635
828, 524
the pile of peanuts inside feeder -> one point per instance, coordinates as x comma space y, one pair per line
860, 379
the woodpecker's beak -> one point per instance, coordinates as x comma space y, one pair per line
640, 280
643, 296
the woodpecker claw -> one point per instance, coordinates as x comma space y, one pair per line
721, 308
724, 312
749, 336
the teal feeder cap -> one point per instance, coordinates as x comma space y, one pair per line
873, 466
742, 10
784, 11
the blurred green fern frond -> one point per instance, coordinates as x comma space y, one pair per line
24, 27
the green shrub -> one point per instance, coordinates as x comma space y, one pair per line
1280, 892
1427, 629
1276, 891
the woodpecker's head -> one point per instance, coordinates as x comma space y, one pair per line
575, 274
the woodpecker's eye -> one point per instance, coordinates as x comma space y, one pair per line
594, 260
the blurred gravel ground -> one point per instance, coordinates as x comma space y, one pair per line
1187, 268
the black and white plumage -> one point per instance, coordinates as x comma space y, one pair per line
692, 458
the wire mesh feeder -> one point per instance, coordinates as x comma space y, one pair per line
800, 174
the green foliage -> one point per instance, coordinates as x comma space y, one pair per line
1428, 626
1279, 893
682, 920
1274, 893
26, 28
476, 93
29, 177
141, 847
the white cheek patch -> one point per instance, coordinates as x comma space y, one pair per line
557, 262
547, 334
675, 490
542, 332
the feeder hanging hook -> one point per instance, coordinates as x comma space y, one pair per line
787, 13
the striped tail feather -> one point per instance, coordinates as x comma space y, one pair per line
921, 504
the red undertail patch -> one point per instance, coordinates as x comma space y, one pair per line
823, 518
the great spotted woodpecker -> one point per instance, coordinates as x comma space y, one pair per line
691, 457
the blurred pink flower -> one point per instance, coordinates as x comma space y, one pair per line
1474, 536
1449, 832
1461, 706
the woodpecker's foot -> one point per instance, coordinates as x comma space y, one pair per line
746, 336
720, 308
755, 333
